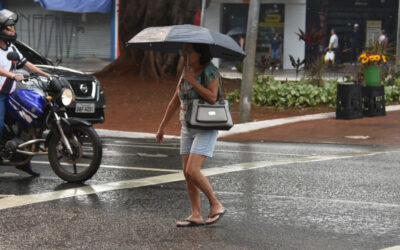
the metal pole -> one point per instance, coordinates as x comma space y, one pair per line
398, 38
203, 7
249, 61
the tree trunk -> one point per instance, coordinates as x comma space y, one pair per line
134, 16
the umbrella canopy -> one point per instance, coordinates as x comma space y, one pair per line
236, 31
170, 38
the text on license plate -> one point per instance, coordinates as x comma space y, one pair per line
84, 108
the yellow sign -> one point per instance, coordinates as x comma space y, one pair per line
272, 20
373, 32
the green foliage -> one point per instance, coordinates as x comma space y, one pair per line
392, 88
233, 96
392, 94
271, 93
304, 93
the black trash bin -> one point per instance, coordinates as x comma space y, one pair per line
373, 100
348, 101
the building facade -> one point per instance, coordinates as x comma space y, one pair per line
284, 17
59, 34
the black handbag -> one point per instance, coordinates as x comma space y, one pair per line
203, 115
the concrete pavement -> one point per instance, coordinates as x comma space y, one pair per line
380, 130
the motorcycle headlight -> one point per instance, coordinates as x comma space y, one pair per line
66, 97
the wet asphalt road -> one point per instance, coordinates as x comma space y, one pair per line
278, 196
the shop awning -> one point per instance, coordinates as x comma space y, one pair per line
80, 6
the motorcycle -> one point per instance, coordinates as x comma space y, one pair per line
36, 123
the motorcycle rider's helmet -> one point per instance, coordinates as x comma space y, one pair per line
7, 18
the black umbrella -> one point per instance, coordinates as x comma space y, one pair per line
170, 38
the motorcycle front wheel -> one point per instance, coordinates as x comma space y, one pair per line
86, 157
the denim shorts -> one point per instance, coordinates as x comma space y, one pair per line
197, 141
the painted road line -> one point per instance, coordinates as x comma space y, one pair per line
141, 146
122, 167
115, 153
130, 142
16, 201
143, 169
152, 155
114, 133
8, 174
22, 200
177, 148
392, 248
254, 152
6, 195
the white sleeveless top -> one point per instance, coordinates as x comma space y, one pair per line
7, 64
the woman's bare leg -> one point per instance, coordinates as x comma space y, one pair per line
194, 196
192, 173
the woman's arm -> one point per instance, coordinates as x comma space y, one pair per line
173, 105
208, 93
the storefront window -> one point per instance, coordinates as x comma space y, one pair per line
271, 21
369, 17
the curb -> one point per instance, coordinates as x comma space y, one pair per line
236, 129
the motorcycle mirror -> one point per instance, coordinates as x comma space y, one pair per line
13, 56
21, 63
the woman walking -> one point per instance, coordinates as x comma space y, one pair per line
200, 79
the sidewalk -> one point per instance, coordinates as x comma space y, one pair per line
380, 130
321, 128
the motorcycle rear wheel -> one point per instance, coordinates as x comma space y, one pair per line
86, 158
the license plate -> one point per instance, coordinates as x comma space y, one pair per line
84, 108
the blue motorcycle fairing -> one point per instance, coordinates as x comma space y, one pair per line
26, 106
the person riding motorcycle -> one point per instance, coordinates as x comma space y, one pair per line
8, 73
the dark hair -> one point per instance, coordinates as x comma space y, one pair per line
204, 51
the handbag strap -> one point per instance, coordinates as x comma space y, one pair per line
219, 95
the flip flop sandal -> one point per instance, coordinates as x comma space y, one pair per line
190, 224
220, 214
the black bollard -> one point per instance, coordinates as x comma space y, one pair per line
348, 101
374, 100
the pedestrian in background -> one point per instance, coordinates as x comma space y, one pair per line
333, 46
275, 50
241, 41
355, 43
383, 40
